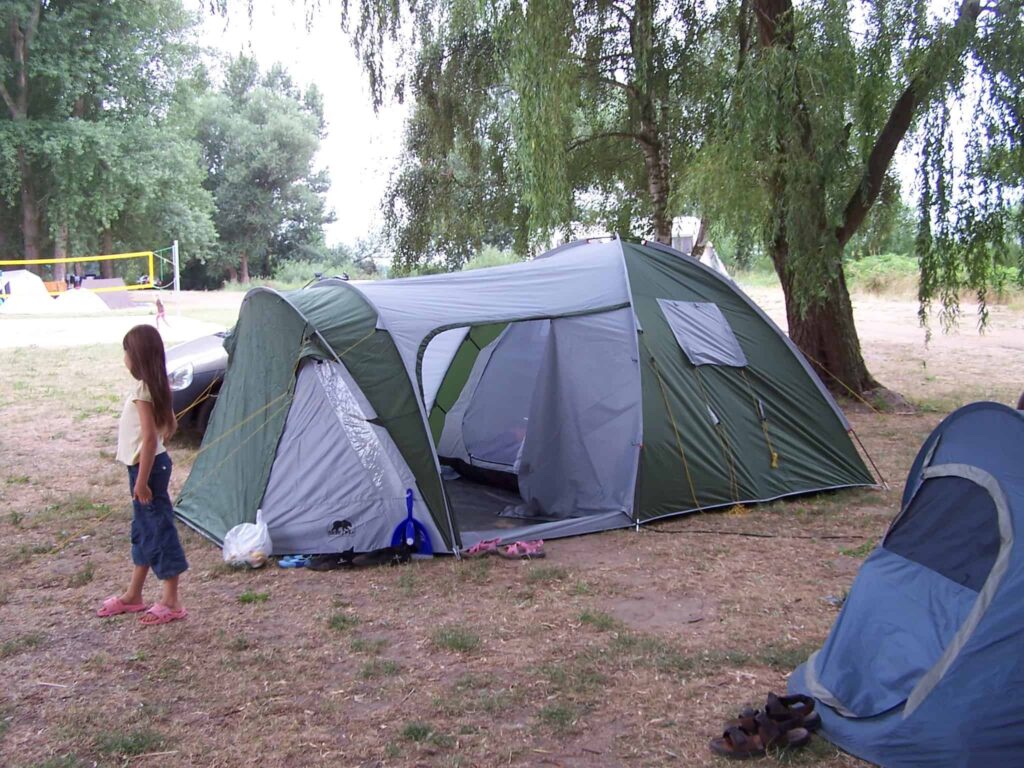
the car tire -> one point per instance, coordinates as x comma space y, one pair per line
203, 416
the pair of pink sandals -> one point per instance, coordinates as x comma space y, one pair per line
158, 613
519, 550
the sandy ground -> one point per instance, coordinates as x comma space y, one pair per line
54, 331
618, 649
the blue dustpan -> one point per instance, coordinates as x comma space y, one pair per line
412, 532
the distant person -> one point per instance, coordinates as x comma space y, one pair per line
161, 313
146, 422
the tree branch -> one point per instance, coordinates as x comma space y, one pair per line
577, 143
33, 23
9, 101
900, 118
618, 84
625, 16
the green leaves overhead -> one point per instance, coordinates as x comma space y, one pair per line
260, 136
86, 124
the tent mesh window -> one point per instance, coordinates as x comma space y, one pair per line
703, 333
951, 527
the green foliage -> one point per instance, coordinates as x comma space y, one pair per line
342, 622
492, 257
378, 668
532, 118
83, 576
884, 273
137, 742
860, 551
600, 620
259, 135
20, 643
249, 597
90, 140
416, 731
452, 637
789, 161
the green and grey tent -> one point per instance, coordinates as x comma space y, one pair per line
604, 385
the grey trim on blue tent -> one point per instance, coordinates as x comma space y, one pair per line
932, 677
819, 691
995, 577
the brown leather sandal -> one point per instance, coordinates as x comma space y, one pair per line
796, 707
738, 743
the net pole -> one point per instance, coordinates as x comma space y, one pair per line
177, 269
177, 277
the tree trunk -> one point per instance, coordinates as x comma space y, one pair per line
243, 270
60, 271
657, 186
701, 241
29, 211
825, 330
107, 244
232, 274
20, 36
821, 326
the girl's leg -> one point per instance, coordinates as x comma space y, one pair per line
133, 595
169, 596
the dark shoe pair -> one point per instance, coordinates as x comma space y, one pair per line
786, 723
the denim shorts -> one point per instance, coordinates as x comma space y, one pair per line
155, 540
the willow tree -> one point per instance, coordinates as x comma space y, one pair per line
821, 97
456, 188
596, 108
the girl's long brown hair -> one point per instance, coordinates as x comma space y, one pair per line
147, 363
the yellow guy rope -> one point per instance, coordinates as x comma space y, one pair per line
675, 428
764, 421
727, 452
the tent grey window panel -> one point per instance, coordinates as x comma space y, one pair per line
703, 333
951, 526
496, 420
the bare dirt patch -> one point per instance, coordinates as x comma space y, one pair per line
586, 658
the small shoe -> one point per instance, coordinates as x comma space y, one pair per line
161, 614
294, 561
523, 550
481, 548
113, 606
797, 707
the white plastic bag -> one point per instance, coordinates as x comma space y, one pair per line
248, 543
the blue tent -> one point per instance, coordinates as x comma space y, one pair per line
925, 663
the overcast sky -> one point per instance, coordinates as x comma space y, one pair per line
361, 147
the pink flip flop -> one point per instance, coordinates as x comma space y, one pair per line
161, 614
113, 606
485, 547
524, 550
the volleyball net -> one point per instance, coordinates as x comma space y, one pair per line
138, 270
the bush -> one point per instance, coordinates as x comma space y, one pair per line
884, 273
295, 274
492, 257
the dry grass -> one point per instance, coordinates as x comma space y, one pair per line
482, 663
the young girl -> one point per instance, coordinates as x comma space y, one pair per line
146, 421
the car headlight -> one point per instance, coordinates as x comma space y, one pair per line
181, 377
